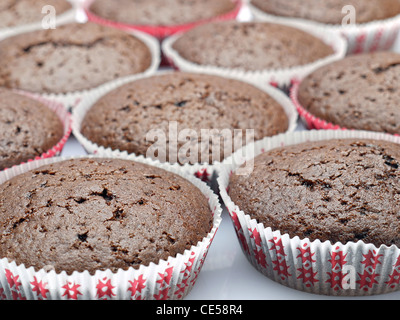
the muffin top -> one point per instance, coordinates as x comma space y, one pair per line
330, 11
27, 129
71, 58
98, 214
358, 92
337, 190
14, 13
123, 118
160, 12
250, 46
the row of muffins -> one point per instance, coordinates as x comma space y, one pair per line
108, 197
59, 62
383, 66
158, 14
186, 47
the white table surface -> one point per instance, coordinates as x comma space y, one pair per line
227, 274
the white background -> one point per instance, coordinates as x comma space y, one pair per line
227, 274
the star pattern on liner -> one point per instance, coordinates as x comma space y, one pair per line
306, 273
105, 288
39, 287
337, 261
71, 290
136, 287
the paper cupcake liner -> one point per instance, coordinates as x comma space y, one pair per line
160, 32
203, 171
310, 120
336, 269
72, 99
66, 120
68, 16
362, 38
278, 77
170, 279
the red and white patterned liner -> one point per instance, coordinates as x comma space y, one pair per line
66, 120
337, 269
368, 37
311, 121
160, 32
205, 172
170, 279
276, 77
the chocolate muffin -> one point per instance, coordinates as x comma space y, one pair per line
160, 12
73, 57
27, 129
337, 190
358, 92
250, 46
125, 118
330, 11
99, 214
15, 13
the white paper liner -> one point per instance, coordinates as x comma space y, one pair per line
72, 99
170, 279
362, 38
311, 266
277, 77
204, 171
68, 16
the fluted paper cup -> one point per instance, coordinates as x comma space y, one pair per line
170, 279
336, 269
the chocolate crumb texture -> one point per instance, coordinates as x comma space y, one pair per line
358, 92
250, 46
98, 214
123, 118
73, 57
334, 190
330, 11
27, 129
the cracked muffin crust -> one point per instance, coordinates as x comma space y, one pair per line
73, 57
250, 46
337, 190
14, 13
358, 92
160, 12
123, 118
330, 11
27, 129
98, 214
